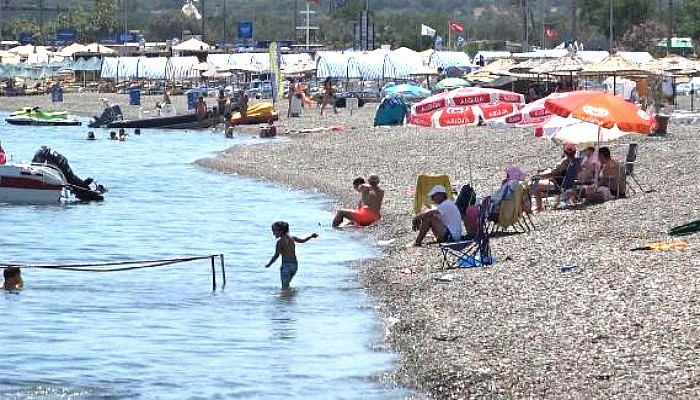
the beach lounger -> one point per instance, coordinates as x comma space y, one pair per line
469, 252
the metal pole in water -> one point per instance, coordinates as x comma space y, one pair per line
213, 274
223, 270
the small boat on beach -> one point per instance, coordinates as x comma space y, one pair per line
38, 117
112, 118
47, 179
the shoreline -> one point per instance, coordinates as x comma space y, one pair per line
625, 322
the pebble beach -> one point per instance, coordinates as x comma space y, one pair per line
621, 324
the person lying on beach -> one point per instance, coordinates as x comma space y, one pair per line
286, 248
13, 278
368, 210
444, 220
549, 178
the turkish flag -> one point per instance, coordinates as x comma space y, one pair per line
549, 32
456, 27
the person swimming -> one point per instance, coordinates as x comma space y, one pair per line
13, 279
91, 136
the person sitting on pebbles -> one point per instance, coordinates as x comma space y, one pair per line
444, 220
369, 207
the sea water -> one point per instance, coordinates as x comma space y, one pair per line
163, 332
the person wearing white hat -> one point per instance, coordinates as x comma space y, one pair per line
444, 220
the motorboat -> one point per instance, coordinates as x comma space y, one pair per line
47, 179
112, 118
38, 117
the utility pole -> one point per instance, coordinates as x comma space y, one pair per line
525, 45
670, 27
612, 31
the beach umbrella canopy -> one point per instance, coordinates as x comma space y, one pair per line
99, 49
600, 108
613, 65
565, 65
467, 96
444, 118
73, 48
28, 49
451, 83
408, 89
669, 64
533, 113
192, 45
572, 130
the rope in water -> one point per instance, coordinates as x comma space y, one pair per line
115, 265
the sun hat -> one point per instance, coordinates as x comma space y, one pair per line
437, 189
569, 147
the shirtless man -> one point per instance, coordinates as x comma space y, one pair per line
368, 210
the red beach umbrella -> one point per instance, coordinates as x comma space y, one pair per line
467, 96
461, 115
531, 114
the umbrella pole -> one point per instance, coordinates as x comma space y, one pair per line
597, 165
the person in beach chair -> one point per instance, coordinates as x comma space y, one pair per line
554, 181
444, 220
368, 210
510, 205
611, 180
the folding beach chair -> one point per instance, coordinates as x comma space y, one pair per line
513, 212
473, 252
424, 184
630, 160
568, 181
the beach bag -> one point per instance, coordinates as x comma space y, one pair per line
391, 111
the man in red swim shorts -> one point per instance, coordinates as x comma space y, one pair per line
368, 209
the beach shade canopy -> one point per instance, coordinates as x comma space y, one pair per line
451, 83
28, 49
426, 71
531, 114
613, 65
73, 48
453, 116
97, 48
468, 96
214, 74
600, 108
669, 64
192, 45
407, 89
444, 118
572, 130
569, 64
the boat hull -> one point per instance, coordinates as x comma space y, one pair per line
187, 121
30, 184
40, 122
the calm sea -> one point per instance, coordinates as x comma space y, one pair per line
163, 333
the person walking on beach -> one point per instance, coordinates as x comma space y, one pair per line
368, 209
286, 248
329, 96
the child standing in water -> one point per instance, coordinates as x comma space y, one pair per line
286, 248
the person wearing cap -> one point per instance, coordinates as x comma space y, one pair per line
368, 209
549, 178
444, 220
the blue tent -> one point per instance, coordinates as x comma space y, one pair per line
391, 111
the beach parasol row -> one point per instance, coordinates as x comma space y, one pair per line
464, 106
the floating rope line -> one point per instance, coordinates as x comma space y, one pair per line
116, 266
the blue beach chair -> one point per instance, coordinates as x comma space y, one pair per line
470, 252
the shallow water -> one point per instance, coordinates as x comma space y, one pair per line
162, 332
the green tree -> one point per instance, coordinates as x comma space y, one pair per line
644, 36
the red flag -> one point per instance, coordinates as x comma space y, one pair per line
456, 27
549, 32
314, 1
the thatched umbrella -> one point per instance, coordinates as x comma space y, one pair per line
569, 64
670, 64
613, 65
